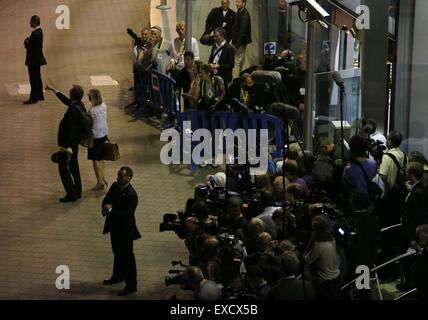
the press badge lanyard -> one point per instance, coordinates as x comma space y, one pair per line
159, 49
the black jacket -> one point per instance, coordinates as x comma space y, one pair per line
226, 62
241, 31
121, 219
216, 19
415, 211
70, 125
34, 47
292, 289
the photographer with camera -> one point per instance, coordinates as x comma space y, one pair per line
233, 218
208, 91
199, 223
358, 176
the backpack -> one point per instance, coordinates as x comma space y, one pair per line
400, 180
85, 134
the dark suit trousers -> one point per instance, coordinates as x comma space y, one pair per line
35, 82
124, 267
70, 175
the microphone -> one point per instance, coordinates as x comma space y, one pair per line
283, 111
266, 77
338, 80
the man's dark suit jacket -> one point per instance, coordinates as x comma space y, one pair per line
70, 125
121, 219
292, 289
34, 48
226, 62
241, 30
215, 20
415, 211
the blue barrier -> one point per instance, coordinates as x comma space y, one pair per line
232, 120
155, 90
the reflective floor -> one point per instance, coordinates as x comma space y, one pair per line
38, 233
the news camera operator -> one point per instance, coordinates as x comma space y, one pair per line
197, 225
233, 218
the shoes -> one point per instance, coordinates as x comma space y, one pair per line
42, 99
98, 187
79, 196
67, 199
30, 102
111, 281
127, 291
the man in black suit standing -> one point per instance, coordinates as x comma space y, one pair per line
221, 17
241, 36
222, 58
34, 60
69, 137
119, 209
415, 210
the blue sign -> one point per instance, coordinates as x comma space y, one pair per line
270, 48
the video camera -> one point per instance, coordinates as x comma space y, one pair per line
174, 222
138, 41
376, 148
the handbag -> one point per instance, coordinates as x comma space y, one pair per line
111, 151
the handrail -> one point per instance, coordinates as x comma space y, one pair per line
390, 227
408, 293
387, 263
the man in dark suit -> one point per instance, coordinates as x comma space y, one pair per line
34, 60
221, 17
241, 36
222, 58
119, 209
415, 210
69, 137
289, 287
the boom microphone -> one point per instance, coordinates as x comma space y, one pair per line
266, 77
283, 111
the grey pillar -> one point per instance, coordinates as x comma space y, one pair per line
188, 18
374, 55
309, 103
401, 110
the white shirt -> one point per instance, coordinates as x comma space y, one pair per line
99, 116
180, 49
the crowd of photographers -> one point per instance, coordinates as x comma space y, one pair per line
300, 231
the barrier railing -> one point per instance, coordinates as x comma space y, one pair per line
231, 120
155, 90
399, 259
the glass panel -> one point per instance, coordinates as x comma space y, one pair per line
326, 104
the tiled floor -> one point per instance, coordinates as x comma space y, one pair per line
37, 233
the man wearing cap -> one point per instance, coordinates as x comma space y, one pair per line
163, 51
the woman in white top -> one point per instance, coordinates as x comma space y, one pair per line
98, 112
